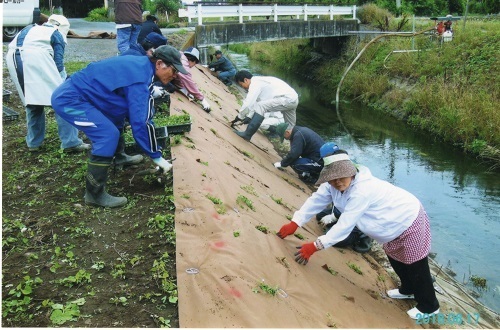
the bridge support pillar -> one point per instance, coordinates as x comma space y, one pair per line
203, 55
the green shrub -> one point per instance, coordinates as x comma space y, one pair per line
98, 15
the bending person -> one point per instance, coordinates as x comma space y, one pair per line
94, 101
185, 83
304, 156
388, 214
265, 94
36, 66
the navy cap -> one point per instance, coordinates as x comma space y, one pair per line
156, 39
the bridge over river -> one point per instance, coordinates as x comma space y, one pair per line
244, 23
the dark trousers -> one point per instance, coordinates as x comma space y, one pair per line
416, 279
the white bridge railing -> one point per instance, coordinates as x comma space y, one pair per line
201, 11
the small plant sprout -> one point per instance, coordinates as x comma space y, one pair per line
278, 201
242, 201
204, 174
236, 233
299, 236
283, 261
118, 301
185, 196
98, 265
329, 322
263, 229
221, 209
177, 140
250, 190
289, 217
214, 199
355, 267
267, 288
202, 162
246, 153
330, 270
215, 132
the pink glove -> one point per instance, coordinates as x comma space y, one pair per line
305, 252
287, 229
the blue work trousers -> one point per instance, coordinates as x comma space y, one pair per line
307, 165
227, 76
35, 124
102, 130
127, 36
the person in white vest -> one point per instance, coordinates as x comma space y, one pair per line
35, 63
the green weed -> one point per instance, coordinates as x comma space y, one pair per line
263, 229
242, 201
355, 268
250, 190
214, 199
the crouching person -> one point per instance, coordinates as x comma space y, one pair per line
99, 98
388, 214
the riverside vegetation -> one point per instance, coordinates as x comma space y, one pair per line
450, 89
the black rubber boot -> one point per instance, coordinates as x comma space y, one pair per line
97, 175
121, 158
252, 127
363, 244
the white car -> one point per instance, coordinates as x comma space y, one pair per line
17, 14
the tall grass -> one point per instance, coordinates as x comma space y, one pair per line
283, 55
450, 89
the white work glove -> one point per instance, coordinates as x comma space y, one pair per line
277, 164
185, 92
205, 65
205, 105
163, 163
63, 74
158, 92
329, 219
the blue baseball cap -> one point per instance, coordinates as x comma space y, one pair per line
328, 149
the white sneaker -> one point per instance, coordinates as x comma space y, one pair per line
394, 294
415, 314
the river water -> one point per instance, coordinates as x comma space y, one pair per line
459, 193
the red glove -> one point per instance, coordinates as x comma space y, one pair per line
287, 229
305, 252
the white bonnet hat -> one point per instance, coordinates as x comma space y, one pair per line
61, 23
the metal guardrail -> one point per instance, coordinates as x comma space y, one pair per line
201, 11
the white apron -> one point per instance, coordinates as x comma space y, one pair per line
41, 76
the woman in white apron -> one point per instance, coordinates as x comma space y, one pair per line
35, 63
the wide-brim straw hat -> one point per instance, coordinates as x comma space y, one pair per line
336, 167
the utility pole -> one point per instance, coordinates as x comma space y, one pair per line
106, 4
466, 12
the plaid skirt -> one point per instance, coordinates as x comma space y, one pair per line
414, 243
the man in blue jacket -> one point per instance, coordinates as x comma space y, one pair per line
99, 98
224, 68
304, 156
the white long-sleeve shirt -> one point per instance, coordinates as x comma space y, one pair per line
378, 208
265, 88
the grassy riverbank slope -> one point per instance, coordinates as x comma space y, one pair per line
449, 89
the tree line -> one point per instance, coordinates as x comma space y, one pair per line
80, 8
